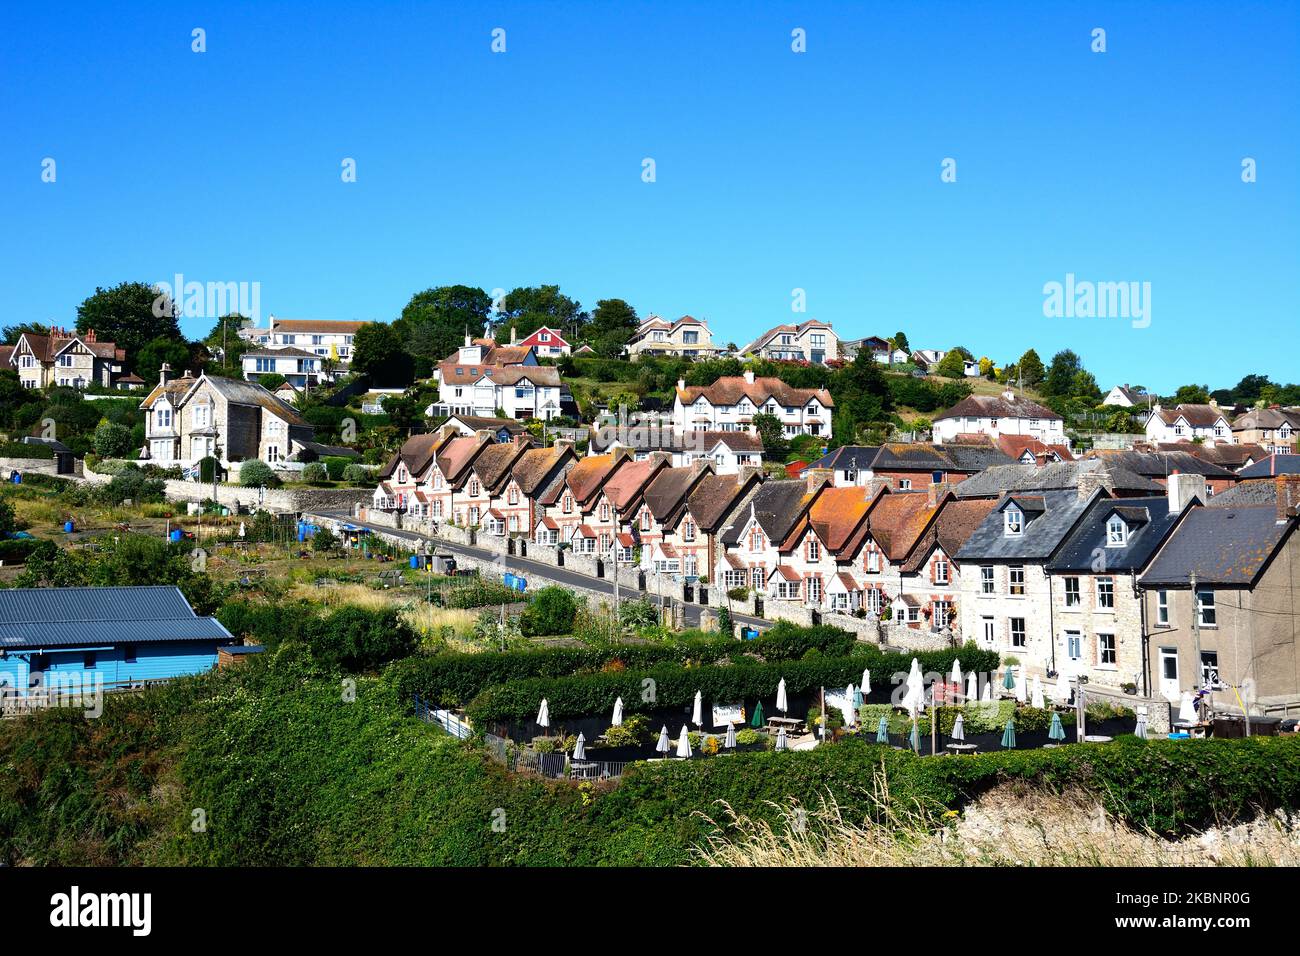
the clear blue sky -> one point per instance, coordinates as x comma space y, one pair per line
775, 170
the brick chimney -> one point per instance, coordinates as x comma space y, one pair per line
937, 490
875, 486
814, 478
483, 436
164, 374
1090, 481
1288, 496
1182, 488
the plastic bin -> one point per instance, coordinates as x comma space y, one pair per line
68, 526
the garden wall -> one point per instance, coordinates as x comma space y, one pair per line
35, 466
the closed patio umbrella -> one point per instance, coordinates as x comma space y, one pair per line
757, 719
730, 740
580, 748
850, 712
1056, 731
866, 681
1062, 693
858, 698
1009, 679
1141, 729
544, 714
697, 715
782, 742
988, 692
955, 676
882, 731
916, 736
972, 686
618, 712
684, 742
1036, 694
663, 746
782, 702
958, 729
1186, 710
1022, 691
1009, 735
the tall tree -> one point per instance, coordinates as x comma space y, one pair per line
527, 309
150, 358
612, 323
10, 334
132, 314
952, 365
1192, 395
435, 321
1030, 369
379, 353
1061, 374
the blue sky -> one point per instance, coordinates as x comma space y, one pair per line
775, 170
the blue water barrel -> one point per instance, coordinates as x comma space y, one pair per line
18, 477
67, 526
1180, 735
415, 561
176, 534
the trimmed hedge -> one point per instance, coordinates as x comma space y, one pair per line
18, 449
588, 694
352, 638
454, 679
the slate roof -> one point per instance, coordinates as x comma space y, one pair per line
1149, 520
67, 617
1229, 456
1258, 491
1272, 465
1161, 464
1226, 547
239, 392
997, 406
1058, 476
416, 453
848, 458
1041, 537
777, 505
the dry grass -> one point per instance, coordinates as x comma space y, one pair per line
339, 595
453, 627
1013, 825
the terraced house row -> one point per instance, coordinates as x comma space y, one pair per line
1119, 567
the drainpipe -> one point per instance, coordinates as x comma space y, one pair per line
1051, 616
1145, 637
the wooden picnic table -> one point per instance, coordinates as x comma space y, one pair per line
790, 724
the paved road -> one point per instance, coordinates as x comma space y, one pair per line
537, 569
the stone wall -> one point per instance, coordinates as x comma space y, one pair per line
35, 466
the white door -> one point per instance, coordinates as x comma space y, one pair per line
988, 631
1169, 673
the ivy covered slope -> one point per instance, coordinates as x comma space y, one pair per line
289, 771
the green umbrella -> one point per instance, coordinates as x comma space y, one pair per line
1056, 731
1009, 679
1009, 735
916, 737
758, 715
882, 732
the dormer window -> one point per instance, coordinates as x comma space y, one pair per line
1013, 521
1116, 532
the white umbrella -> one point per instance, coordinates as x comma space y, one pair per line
1062, 694
697, 717
914, 700
781, 742
730, 740
987, 696
1021, 694
1186, 710
955, 676
1036, 694
1141, 729
618, 712
684, 743
849, 711
958, 729
544, 714
782, 701
866, 681
242, 530
972, 686
663, 746
580, 748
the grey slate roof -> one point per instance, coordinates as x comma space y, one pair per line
1042, 534
1056, 476
848, 457
1272, 465
1161, 464
63, 617
1222, 546
1246, 493
777, 505
1149, 523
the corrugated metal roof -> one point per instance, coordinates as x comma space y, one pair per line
47, 617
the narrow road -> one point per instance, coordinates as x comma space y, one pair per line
536, 569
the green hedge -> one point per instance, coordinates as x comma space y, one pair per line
588, 694
455, 679
18, 449
352, 638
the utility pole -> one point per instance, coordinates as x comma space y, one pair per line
1196, 634
616, 596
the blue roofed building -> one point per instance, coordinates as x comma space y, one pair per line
109, 637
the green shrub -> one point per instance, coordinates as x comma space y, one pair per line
257, 473
315, 472
551, 611
209, 469
17, 449
355, 474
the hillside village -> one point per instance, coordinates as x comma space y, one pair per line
1095, 535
